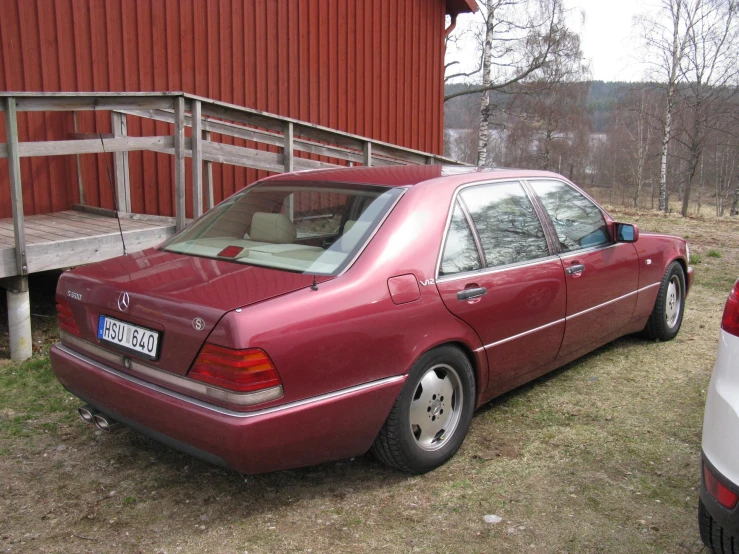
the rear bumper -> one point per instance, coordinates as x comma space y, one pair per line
727, 519
334, 426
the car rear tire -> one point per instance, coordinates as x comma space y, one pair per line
432, 414
713, 535
667, 315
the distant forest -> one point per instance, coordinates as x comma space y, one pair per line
600, 102
606, 136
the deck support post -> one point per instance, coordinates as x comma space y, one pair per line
179, 162
80, 182
208, 177
119, 125
19, 318
288, 133
289, 162
16, 188
197, 159
367, 154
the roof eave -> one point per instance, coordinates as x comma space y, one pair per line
454, 7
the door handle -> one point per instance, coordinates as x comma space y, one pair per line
467, 294
574, 269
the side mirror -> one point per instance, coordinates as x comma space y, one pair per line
626, 232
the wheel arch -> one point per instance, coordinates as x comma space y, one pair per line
683, 265
479, 369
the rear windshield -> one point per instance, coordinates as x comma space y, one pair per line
315, 228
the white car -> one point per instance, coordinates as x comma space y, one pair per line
718, 510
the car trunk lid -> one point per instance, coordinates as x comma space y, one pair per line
181, 297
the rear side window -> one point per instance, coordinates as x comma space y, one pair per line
460, 250
509, 229
578, 222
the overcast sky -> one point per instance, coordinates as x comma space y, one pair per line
607, 33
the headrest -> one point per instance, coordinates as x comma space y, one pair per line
274, 228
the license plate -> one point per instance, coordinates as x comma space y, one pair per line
132, 337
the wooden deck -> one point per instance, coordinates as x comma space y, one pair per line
71, 237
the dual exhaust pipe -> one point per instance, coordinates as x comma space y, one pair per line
101, 421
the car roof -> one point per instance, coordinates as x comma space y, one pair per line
404, 175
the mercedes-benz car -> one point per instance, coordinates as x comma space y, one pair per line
718, 507
314, 316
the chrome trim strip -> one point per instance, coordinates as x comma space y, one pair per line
219, 409
488, 270
613, 300
573, 253
507, 339
550, 233
473, 230
190, 385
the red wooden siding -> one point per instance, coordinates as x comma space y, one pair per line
370, 67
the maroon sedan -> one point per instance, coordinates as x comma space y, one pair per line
315, 316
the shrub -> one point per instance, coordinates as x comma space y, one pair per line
695, 258
714, 254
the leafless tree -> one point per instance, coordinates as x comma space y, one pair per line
710, 68
665, 37
557, 99
518, 37
635, 117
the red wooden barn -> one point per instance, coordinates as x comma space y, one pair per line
369, 67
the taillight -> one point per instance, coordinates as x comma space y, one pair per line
64, 316
730, 320
723, 495
236, 370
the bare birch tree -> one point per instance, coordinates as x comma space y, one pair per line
518, 37
665, 38
636, 123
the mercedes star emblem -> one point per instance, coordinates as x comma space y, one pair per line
123, 301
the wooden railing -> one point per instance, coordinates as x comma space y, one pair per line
206, 117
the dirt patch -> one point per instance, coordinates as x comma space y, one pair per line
599, 456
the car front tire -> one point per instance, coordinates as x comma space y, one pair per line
432, 414
667, 315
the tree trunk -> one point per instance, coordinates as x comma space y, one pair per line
663, 153
692, 166
484, 135
701, 182
676, 55
547, 150
735, 204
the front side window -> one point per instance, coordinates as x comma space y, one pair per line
314, 228
460, 250
578, 222
509, 229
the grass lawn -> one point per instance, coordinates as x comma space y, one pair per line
600, 456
